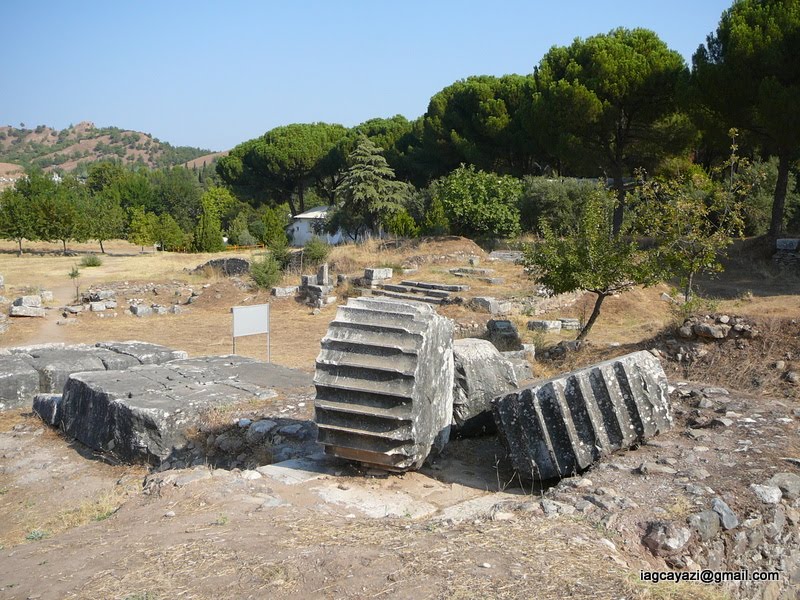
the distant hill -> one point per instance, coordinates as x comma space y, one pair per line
205, 160
76, 147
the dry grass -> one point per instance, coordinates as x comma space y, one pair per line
33, 523
10, 418
751, 368
205, 567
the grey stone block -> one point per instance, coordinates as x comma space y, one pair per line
46, 296
503, 334
26, 311
561, 426
141, 310
19, 381
145, 413
428, 285
284, 292
570, 324
541, 325
31, 301
100, 295
522, 368
383, 380
787, 244
306, 280
144, 352
97, 306
376, 273
481, 373
491, 305
48, 407
323, 278
56, 365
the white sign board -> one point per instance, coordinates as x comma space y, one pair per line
250, 320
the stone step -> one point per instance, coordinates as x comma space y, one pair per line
563, 425
409, 289
447, 287
409, 297
379, 400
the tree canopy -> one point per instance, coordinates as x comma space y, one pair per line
368, 192
748, 74
610, 102
283, 162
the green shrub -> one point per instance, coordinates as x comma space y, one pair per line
266, 272
279, 248
315, 252
91, 260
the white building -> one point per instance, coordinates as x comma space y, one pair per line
307, 225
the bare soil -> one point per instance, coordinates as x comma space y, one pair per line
78, 526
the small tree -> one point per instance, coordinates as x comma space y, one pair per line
691, 222
237, 230
402, 224
17, 218
142, 228
274, 222
590, 257
369, 192
168, 234
694, 218
208, 232
266, 272
105, 218
315, 252
75, 276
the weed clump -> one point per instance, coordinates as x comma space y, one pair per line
91, 260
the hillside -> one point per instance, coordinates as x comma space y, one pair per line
74, 148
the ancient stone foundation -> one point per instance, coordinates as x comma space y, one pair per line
147, 412
561, 426
384, 383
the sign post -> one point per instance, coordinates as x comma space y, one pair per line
251, 320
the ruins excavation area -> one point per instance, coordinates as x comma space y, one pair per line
425, 430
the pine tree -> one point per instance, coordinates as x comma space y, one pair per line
369, 192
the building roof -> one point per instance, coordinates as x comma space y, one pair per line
320, 212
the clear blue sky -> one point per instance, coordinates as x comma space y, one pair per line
216, 73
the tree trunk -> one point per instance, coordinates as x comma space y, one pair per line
301, 196
778, 204
619, 209
102, 250
19, 241
595, 313
687, 293
64, 243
